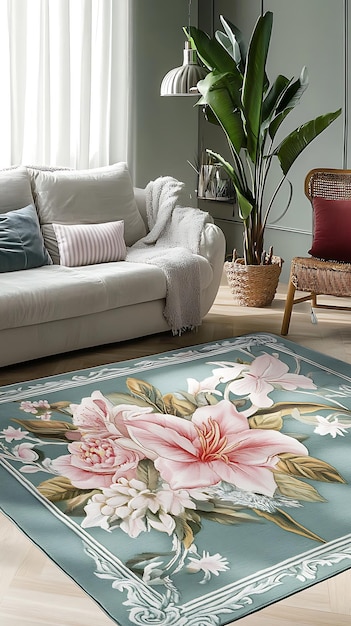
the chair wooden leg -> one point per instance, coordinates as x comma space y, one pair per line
288, 309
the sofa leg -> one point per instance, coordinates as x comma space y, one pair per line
288, 309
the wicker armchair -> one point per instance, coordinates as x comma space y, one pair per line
313, 275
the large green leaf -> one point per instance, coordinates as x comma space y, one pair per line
217, 91
226, 82
273, 96
290, 148
255, 81
236, 37
290, 97
293, 93
210, 51
208, 113
277, 121
230, 46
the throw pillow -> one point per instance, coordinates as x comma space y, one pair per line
15, 189
92, 196
332, 230
85, 244
21, 241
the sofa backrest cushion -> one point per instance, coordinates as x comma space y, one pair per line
86, 244
92, 196
15, 189
21, 242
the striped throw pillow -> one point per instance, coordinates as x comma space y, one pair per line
86, 244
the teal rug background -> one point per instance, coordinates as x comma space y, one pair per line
255, 561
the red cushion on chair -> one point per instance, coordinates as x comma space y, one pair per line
332, 230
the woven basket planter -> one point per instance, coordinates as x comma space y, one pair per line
253, 285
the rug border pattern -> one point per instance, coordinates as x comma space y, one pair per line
144, 604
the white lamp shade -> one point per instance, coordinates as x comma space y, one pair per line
182, 81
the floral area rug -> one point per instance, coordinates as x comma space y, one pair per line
190, 488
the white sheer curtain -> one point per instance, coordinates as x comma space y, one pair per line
64, 75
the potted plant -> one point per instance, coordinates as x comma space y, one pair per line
237, 95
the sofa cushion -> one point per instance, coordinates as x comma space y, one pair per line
85, 244
90, 196
21, 241
15, 189
55, 292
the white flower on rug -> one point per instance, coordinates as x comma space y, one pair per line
208, 385
209, 564
327, 426
134, 508
257, 380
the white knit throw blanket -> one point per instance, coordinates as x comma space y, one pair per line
173, 239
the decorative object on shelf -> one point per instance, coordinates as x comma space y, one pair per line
182, 81
237, 96
214, 182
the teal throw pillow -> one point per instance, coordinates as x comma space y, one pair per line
21, 241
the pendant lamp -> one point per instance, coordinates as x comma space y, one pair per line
182, 81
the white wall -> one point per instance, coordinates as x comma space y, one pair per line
165, 128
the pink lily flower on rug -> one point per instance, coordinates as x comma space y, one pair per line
216, 445
257, 380
97, 415
91, 414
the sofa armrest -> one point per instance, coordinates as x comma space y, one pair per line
212, 244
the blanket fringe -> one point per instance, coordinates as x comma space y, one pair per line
185, 329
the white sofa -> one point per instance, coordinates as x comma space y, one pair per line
54, 308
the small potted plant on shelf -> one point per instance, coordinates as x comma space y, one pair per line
237, 95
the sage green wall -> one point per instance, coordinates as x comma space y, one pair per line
305, 32
165, 129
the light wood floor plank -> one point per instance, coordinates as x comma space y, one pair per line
35, 592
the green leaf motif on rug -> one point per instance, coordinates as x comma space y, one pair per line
286, 522
60, 488
52, 429
308, 467
295, 488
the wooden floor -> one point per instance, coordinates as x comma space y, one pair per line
34, 592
